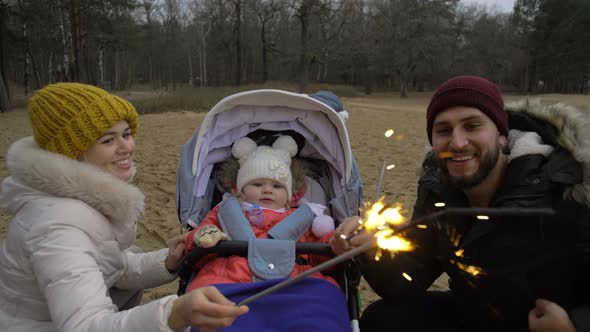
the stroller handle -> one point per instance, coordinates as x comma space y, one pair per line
238, 248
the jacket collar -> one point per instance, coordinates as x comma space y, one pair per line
61, 176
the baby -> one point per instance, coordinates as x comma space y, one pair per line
262, 180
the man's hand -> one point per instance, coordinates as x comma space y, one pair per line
547, 316
208, 236
346, 236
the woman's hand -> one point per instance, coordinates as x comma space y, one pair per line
204, 308
175, 252
346, 236
547, 316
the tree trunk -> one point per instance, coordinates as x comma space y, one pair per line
204, 61
50, 69
36, 74
129, 81
264, 53
368, 79
4, 99
325, 72
76, 41
191, 81
200, 67
318, 75
27, 62
100, 67
403, 89
238, 9
303, 55
147, 5
116, 78
4, 89
65, 73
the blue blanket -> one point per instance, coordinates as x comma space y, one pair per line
311, 304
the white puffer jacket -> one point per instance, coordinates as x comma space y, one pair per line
65, 248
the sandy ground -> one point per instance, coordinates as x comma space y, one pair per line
161, 136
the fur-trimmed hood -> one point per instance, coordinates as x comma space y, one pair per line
571, 131
60, 176
561, 125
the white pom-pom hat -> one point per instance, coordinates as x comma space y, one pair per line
265, 162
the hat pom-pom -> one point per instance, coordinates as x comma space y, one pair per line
242, 147
286, 143
343, 115
322, 225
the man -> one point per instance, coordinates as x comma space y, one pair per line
535, 270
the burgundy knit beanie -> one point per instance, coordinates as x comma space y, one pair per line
469, 91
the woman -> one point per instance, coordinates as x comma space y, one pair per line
65, 264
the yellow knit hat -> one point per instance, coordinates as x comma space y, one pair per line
67, 118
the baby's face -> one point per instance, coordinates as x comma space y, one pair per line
266, 193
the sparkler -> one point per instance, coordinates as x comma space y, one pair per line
389, 226
378, 217
380, 181
389, 133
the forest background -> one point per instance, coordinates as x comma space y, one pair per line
542, 46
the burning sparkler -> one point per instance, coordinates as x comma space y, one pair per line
389, 226
379, 218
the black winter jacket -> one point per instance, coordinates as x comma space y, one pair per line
523, 259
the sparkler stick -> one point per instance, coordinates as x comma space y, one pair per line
329, 263
380, 182
338, 259
397, 230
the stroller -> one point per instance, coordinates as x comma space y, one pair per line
316, 123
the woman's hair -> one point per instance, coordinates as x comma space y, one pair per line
228, 172
67, 118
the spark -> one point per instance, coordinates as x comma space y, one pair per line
380, 214
440, 204
388, 241
392, 166
471, 269
483, 217
445, 155
389, 133
386, 221
379, 218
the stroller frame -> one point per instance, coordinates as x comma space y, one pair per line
317, 120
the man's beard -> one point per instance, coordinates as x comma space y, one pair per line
488, 162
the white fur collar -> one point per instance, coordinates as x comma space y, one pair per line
574, 135
61, 176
